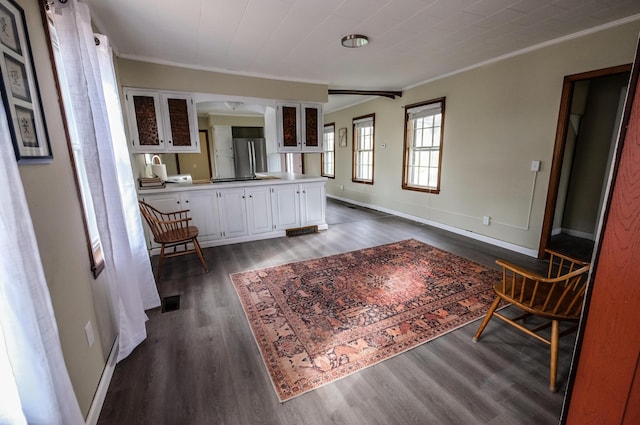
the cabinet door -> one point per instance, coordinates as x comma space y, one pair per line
313, 204
144, 119
312, 128
286, 206
180, 122
233, 212
204, 212
288, 120
259, 215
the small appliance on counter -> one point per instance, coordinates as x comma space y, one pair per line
179, 178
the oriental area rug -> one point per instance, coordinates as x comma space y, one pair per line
320, 320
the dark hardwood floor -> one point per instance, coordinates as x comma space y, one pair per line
201, 365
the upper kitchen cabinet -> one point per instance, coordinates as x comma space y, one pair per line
299, 127
161, 121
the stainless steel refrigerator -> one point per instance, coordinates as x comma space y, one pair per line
249, 157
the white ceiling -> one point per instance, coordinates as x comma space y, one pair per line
411, 41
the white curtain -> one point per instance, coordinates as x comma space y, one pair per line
98, 117
34, 384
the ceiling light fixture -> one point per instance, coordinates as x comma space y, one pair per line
355, 40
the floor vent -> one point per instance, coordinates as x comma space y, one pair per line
171, 303
302, 230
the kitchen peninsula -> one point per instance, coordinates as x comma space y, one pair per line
239, 211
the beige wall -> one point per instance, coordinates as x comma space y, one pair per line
591, 155
499, 117
154, 76
57, 219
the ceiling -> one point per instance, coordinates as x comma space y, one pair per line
411, 41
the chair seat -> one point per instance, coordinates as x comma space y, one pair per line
177, 235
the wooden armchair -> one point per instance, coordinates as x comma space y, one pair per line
171, 230
557, 297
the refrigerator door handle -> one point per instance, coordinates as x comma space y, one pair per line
252, 158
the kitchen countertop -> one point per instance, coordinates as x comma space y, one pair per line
268, 179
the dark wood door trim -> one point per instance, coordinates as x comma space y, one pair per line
560, 140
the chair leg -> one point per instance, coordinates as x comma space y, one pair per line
160, 262
196, 245
486, 319
553, 369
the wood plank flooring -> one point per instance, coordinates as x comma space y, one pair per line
201, 365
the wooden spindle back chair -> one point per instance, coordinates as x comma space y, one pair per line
170, 230
558, 296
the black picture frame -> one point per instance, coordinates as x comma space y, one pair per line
20, 91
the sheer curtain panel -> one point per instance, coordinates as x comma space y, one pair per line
34, 384
96, 109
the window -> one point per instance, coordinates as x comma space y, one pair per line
424, 123
329, 151
96, 256
363, 142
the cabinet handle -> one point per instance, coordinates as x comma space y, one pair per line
161, 141
250, 196
169, 141
187, 201
242, 196
304, 191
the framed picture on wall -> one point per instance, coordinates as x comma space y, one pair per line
342, 137
20, 92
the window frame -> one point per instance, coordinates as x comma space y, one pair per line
406, 185
323, 171
355, 150
93, 242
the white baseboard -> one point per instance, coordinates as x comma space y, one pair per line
103, 386
467, 233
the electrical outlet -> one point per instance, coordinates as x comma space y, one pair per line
341, 187
535, 165
486, 220
88, 329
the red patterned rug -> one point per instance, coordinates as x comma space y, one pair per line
320, 320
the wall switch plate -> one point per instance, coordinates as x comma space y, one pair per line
88, 329
486, 220
535, 165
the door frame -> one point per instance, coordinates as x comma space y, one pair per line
560, 142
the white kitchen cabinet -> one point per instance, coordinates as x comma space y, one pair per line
161, 121
244, 211
232, 208
259, 212
312, 204
285, 203
299, 127
298, 205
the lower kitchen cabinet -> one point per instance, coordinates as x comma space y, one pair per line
259, 216
243, 213
298, 205
232, 208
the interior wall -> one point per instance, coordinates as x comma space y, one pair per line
578, 105
499, 117
591, 156
154, 76
56, 212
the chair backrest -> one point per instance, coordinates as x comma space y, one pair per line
559, 295
161, 222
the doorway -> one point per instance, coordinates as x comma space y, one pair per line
589, 117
